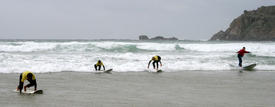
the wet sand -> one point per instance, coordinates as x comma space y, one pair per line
144, 89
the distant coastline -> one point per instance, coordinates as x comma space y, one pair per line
145, 37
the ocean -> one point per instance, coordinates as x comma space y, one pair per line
196, 73
42, 56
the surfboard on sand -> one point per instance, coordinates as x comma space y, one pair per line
249, 67
106, 71
156, 71
30, 91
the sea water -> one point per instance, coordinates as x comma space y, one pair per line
42, 56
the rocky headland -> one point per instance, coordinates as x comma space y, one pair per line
145, 37
255, 25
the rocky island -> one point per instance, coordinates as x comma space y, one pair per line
255, 25
145, 37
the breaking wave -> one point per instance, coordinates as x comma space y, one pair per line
123, 56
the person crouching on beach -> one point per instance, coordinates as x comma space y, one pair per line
156, 59
241, 54
98, 65
26, 75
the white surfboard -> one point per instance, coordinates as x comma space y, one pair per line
106, 71
30, 91
153, 70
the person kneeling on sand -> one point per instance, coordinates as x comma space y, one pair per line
156, 59
98, 65
26, 75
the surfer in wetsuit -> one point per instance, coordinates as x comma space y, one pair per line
241, 54
26, 75
98, 65
156, 59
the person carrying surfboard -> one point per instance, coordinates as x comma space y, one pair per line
156, 59
98, 65
241, 54
26, 75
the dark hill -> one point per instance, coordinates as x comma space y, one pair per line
255, 25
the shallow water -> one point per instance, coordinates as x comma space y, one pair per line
145, 89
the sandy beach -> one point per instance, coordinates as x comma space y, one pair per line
145, 89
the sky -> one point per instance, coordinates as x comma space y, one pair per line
119, 19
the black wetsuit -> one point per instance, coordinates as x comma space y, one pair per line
98, 66
240, 60
156, 60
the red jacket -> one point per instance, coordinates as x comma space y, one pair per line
242, 51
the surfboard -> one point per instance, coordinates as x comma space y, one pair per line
159, 71
249, 67
30, 91
154, 71
106, 71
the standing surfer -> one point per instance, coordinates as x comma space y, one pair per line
98, 65
156, 59
241, 54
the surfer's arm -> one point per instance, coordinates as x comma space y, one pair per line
21, 83
35, 85
160, 63
149, 63
20, 86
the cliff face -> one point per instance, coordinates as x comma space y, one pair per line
255, 25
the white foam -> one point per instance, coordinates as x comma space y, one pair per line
265, 49
26, 47
156, 46
41, 57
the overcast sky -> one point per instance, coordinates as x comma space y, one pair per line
119, 19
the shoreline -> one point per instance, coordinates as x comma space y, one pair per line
147, 71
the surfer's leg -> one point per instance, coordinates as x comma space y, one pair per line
240, 60
99, 67
154, 64
32, 83
95, 67
157, 65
